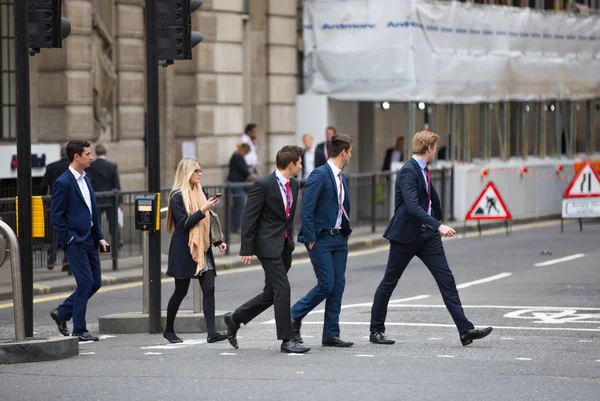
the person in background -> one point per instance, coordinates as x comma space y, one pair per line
104, 175
321, 155
395, 154
308, 157
239, 172
53, 171
190, 253
250, 136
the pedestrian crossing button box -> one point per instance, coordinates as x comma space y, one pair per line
147, 212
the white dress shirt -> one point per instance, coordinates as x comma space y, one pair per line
422, 165
309, 162
85, 191
336, 172
252, 157
284, 181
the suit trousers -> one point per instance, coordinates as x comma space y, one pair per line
85, 266
430, 250
329, 256
276, 292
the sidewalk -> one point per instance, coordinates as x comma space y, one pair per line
130, 269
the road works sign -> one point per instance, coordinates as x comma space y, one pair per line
582, 196
489, 206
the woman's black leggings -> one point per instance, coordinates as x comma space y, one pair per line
207, 283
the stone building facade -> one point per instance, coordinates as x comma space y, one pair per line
246, 69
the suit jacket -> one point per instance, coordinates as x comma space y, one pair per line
320, 158
105, 177
411, 206
320, 205
387, 161
69, 213
264, 223
53, 171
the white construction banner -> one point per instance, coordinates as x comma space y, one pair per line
448, 52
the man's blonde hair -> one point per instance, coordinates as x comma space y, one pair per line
422, 141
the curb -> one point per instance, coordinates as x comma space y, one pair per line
365, 242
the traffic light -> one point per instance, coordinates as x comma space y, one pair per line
46, 28
174, 29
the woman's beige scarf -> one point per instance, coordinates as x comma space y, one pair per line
199, 238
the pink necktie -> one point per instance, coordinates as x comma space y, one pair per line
288, 196
340, 197
428, 190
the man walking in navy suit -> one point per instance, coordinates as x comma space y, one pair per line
74, 216
415, 230
325, 231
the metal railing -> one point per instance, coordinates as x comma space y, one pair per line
372, 196
8, 235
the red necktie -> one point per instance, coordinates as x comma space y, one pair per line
340, 197
288, 197
428, 190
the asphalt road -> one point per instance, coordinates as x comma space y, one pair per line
545, 310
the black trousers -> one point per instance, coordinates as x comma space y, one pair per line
430, 250
276, 292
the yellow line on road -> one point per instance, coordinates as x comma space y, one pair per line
384, 248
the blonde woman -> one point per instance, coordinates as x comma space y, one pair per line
190, 254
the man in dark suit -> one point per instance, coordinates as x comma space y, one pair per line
53, 171
321, 149
325, 231
415, 230
105, 177
395, 154
74, 215
267, 233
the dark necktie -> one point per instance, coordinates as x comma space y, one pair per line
288, 198
428, 190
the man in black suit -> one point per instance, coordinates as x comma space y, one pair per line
415, 230
321, 150
267, 233
53, 171
395, 154
105, 177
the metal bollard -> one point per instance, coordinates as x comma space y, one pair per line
15, 266
146, 271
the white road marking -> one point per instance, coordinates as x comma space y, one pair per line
507, 338
484, 280
153, 353
87, 353
494, 307
364, 355
104, 337
228, 353
295, 354
560, 260
585, 341
453, 326
434, 338
524, 359
368, 304
299, 373
445, 356
184, 344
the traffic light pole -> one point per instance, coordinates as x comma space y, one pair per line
152, 124
24, 159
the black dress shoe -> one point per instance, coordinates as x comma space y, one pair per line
296, 325
380, 338
171, 337
232, 329
474, 334
60, 322
216, 338
336, 342
293, 347
85, 336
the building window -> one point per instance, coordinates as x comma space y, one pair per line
8, 110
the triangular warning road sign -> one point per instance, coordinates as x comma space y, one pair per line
585, 184
489, 206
